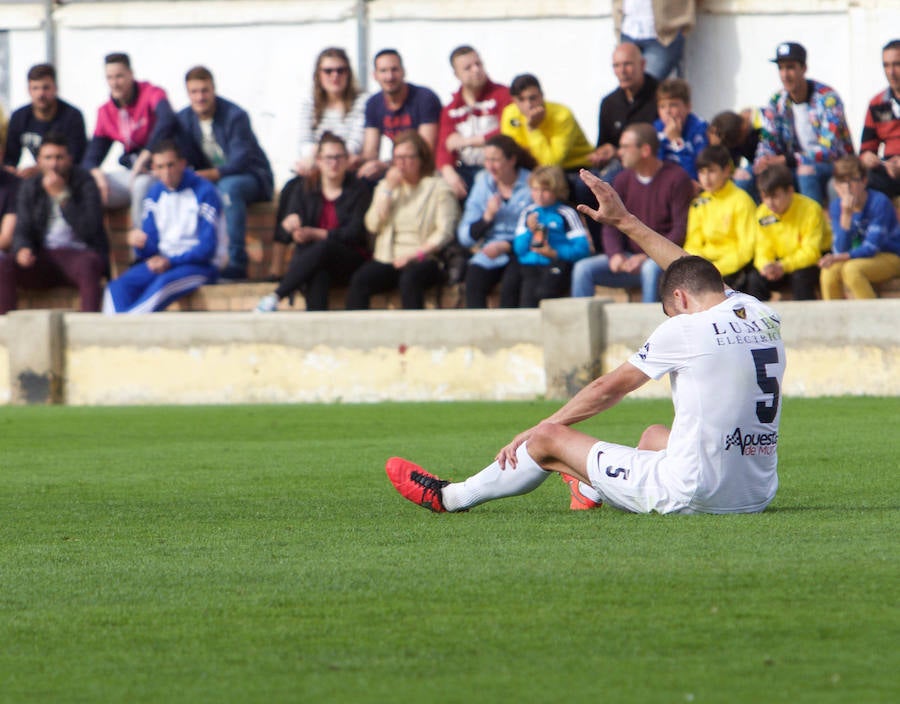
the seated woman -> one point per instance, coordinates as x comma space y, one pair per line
325, 221
866, 246
337, 106
550, 238
413, 215
499, 195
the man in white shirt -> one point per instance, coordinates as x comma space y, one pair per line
725, 359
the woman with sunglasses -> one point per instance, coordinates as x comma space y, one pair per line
336, 106
325, 222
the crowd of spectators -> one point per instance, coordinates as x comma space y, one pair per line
395, 192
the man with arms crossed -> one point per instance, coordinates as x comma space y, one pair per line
724, 354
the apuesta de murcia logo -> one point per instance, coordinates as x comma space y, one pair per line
752, 443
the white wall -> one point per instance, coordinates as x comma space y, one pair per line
262, 52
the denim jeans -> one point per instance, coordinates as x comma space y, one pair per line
594, 271
661, 60
237, 190
815, 185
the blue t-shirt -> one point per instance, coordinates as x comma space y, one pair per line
421, 107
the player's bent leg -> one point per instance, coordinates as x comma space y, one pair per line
655, 438
559, 448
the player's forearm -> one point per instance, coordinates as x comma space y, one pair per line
594, 398
660, 249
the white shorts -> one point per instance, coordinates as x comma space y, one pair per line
632, 480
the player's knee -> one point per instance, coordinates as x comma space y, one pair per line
543, 440
655, 438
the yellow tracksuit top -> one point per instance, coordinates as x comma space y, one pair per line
722, 228
797, 238
557, 141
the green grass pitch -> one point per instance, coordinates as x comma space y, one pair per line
258, 554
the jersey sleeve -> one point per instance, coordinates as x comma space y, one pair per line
664, 351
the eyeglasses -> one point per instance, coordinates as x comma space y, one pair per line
336, 70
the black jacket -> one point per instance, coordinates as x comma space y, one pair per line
351, 207
83, 211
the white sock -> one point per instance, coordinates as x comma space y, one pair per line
590, 492
495, 483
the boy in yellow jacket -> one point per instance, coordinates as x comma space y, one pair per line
792, 235
721, 224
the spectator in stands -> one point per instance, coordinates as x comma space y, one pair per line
470, 118
791, 236
803, 126
45, 113
882, 128
550, 238
866, 246
337, 106
740, 134
219, 143
659, 193
658, 29
59, 238
548, 130
632, 102
488, 226
682, 135
138, 115
413, 216
325, 220
177, 244
399, 106
9, 188
722, 219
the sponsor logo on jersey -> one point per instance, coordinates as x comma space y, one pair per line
768, 220
752, 443
644, 351
747, 332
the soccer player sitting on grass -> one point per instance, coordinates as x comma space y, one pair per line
725, 359
181, 243
721, 221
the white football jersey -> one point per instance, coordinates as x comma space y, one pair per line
726, 365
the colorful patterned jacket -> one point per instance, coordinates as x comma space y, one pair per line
826, 113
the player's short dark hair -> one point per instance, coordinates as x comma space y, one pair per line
167, 145
461, 50
893, 44
523, 82
387, 52
55, 138
644, 133
729, 127
199, 73
39, 72
775, 177
717, 155
690, 273
118, 57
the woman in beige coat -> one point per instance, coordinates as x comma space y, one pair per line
413, 216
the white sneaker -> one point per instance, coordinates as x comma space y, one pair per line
267, 304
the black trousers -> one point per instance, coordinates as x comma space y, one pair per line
540, 282
480, 282
376, 277
314, 267
802, 282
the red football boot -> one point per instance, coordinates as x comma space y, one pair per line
578, 502
415, 484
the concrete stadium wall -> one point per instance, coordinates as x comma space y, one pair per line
834, 348
262, 51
